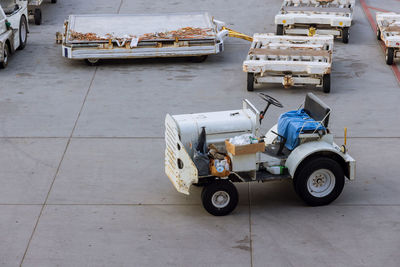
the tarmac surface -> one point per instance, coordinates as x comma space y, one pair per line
82, 153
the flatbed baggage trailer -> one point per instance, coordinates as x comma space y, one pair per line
95, 37
309, 17
290, 60
35, 11
388, 30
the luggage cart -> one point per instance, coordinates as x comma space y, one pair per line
309, 17
111, 36
388, 31
35, 11
290, 60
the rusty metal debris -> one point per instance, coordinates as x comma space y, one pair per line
182, 33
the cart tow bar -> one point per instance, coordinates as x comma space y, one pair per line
235, 34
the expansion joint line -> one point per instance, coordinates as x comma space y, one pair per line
250, 230
58, 167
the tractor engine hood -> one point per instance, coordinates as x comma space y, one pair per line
219, 126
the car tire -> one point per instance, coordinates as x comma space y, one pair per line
92, 61
378, 34
250, 81
345, 35
23, 33
37, 15
279, 29
320, 181
220, 197
199, 59
389, 55
6, 55
326, 83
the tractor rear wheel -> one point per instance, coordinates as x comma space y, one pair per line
320, 181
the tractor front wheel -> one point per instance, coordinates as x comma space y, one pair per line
220, 197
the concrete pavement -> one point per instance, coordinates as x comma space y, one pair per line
82, 154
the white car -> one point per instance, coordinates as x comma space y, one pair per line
13, 28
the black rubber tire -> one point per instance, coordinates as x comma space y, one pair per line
6, 52
219, 185
250, 81
22, 22
389, 55
199, 59
279, 29
37, 15
345, 35
326, 83
92, 63
53, 1
304, 174
378, 34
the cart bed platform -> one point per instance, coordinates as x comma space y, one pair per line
290, 60
388, 30
141, 36
305, 17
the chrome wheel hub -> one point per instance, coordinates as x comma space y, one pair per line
321, 183
220, 199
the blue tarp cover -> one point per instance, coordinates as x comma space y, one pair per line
290, 124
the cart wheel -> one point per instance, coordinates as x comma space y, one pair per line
6, 54
326, 83
37, 15
389, 55
199, 59
378, 34
23, 33
53, 1
279, 29
320, 181
250, 82
345, 35
92, 61
220, 197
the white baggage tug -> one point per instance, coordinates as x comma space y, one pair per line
388, 30
309, 17
95, 37
13, 28
289, 60
310, 157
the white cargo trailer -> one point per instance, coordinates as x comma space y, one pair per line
309, 17
388, 30
35, 11
95, 37
13, 28
289, 60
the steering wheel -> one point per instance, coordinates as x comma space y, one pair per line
270, 100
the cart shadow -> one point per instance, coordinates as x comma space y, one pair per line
149, 61
274, 194
301, 90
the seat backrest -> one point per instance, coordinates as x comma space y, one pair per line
317, 109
